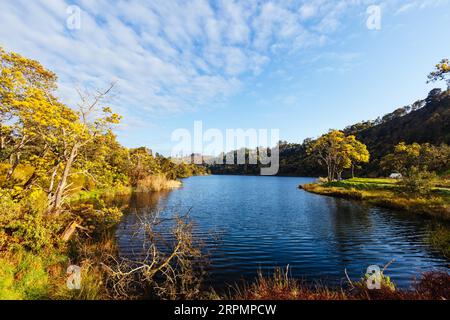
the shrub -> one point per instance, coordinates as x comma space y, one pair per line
439, 238
24, 275
23, 223
96, 218
418, 182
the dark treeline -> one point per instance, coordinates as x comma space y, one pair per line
425, 121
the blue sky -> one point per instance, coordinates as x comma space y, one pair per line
299, 66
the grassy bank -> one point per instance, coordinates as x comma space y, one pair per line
387, 193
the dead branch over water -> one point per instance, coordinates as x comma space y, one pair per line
170, 268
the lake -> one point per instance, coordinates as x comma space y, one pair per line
259, 223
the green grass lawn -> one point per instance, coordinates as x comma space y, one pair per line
383, 184
365, 184
373, 180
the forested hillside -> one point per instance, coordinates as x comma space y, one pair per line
429, 124
425, 121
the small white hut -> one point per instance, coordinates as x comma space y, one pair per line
396, 175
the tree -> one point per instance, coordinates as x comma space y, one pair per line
418, 182
143, 164
423, 157
78, 134
338, 152
103, 163
441, 72
358, 154
26, 103
37, 129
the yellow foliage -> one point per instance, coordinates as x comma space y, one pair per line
338, 152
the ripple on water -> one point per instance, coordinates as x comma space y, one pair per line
248, 224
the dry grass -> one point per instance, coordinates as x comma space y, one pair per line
90, 255
156, 183
432, 286
282, 287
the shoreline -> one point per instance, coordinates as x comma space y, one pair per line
436, 206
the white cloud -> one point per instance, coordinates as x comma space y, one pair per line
307, 11
168, 56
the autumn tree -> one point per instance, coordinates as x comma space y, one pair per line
143, 164
36, 124
93, 120
103, 163
441, 72
337, 152
25, 94
423, 157
358, 153
418, 164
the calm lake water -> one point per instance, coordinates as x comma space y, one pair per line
259, 223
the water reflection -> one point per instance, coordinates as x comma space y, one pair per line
252, 223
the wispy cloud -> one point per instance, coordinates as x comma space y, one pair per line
419, 4
167, 56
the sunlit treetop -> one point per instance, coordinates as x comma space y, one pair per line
441, 72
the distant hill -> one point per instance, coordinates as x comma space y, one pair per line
424, 121
430, 123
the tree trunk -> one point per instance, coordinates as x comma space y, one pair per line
13, 167
30, 181
353, 170
330, 176
57, 200
333, 172
70, 230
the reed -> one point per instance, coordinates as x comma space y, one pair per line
156, 183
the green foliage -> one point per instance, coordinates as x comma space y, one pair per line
421, 156
25, 275
23, 223
365, 184
424, 121
50, 154
418, 182
439, 238
96, 218
387, 193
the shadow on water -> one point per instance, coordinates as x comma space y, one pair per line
259, 223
